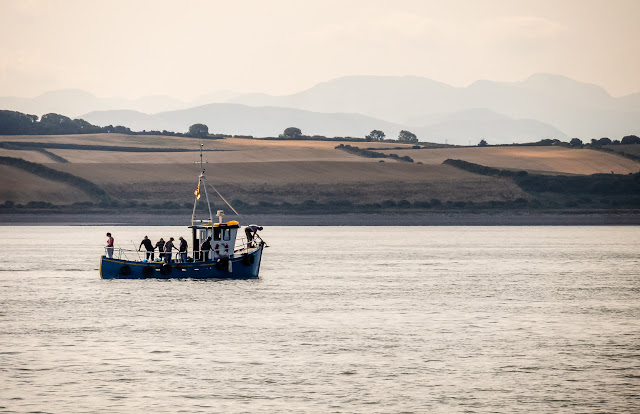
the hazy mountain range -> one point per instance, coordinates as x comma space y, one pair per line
542, 106
459, 128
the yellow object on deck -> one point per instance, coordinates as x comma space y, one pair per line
230, 223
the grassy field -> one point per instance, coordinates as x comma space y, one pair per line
298, 181
22, 187
33, 156
145, 141
633, 150
268, 171
554, 160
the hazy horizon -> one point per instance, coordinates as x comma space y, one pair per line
223, 96
145, 48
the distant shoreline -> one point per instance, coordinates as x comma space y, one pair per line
522, 218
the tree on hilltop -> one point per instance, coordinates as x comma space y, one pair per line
53, 123
408, 137
292, 132
575, 142
375, 135
604, 141
199, 131
598, 143
630, 139
17, 123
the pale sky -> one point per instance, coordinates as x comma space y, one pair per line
134, 48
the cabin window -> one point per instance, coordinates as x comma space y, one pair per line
216, 233
226, 234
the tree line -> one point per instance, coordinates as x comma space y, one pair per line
594, 184
294, 133
36, 146
17, 123
363, 152
404, 136
596, 143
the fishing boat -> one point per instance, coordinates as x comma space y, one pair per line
230, 256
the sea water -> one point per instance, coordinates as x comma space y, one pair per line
342, 319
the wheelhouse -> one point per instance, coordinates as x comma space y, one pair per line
223, 237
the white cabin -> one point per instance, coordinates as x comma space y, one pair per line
223, 238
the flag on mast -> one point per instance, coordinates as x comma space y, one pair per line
197, 192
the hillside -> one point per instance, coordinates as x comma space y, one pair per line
546, 160
298, 182
22, 187
298, 173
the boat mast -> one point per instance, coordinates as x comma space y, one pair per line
201, 184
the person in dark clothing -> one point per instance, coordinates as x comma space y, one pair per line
205, 248
168, 247
183, 250
160, 246
148, 246
251, 231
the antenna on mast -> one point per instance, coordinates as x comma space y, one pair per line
201, 183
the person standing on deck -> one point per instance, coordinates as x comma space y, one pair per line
205, 248
160, 246
148, 246
183, 250
109, 247
168, 246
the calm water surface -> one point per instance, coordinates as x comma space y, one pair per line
343, 319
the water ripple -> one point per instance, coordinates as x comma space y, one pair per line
540, 319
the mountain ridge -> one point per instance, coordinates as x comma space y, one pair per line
238, 119
578, 108
560, 107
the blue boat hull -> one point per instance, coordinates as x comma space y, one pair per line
246, 266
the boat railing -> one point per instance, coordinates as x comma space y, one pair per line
141, 255
119, 253
242, 243
116, 252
